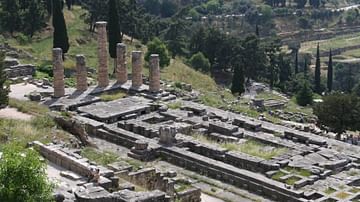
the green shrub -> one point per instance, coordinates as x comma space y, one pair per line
23, 176
199, 62
156, 46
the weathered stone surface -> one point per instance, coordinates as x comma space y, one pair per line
137, 64
58, 71
103, 76
121, 68
154, 73
81, 73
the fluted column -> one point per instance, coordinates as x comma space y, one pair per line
121, 69
81, 73
136, 60
103, 76
58, 71
154, 75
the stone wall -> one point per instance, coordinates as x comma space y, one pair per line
151, 179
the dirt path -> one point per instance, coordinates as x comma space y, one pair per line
12, 113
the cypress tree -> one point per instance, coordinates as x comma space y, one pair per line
296, 62
305, 67
257, 32
4, 89
114, 30
330, 73
317, 71
238, 81
61, 39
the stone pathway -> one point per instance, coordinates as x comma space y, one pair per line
12, 113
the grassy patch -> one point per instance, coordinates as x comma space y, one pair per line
174, 105
329, 190
251, 147
179, 72
354, 190
256, 148
41, 128
268, 96
102, 158
292, 180
182, 186
298, 171
112, 96
28, 107
278, 175
342, 195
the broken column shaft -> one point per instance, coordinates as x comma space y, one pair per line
81, 73
154, 73
121, 69
103, 76
58, 71
136, 69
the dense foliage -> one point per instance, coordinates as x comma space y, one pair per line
158, 47
4, 88
22, 16
60, 39
339, 112
23, 176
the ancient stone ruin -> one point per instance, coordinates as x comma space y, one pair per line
103, 76
58, 69
152, 124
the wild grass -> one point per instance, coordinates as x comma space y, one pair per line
41, 128
292, 180
112, 96
102, 158
174, 105
329, 190
342, 195
251, 147
28, 107
298, 171
256, 148
278, 175
106, 157
179, 72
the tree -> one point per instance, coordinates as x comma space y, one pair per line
330, 73
300, 3
305, 94
61, 39
296, 62
238, 80
152, 6
4, 88
69, 4
305, 67
200, 62
114, 29
23, 176
317, 71
168, 8
156, 46
285, 70
10, 15
339, 112
35, 15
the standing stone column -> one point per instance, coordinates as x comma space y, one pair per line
136, 69
154, 73
103, 76
121, 69
58, 71
81, 73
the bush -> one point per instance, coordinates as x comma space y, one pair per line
304, 23
304, 95
23, 39
199, 62
23, 176
47, 69
156, 46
